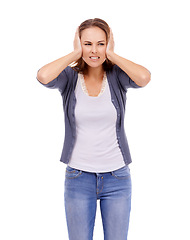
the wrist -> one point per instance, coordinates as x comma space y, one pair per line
76, 54
110, 55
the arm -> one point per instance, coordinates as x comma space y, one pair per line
51, 70
139, 74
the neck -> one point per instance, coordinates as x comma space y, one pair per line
95, 72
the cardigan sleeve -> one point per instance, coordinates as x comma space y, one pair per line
61, 81
124, 79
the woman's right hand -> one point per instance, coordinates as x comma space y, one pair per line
77, 44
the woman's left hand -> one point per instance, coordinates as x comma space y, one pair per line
110, 46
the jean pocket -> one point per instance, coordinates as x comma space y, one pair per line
72, 172
122, 173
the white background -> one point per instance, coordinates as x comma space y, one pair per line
154, 34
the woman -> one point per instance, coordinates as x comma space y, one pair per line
93, 81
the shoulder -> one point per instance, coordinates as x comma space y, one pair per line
70, 72
115, 70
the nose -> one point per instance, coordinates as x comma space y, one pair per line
94, 50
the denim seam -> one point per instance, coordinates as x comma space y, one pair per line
120, 178
97, 192
68, 177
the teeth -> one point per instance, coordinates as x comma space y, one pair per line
94, 58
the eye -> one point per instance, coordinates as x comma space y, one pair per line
87, 44
101, 44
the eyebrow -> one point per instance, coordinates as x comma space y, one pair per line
98, 41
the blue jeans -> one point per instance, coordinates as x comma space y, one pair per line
83, 189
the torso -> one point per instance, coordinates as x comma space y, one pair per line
96, 148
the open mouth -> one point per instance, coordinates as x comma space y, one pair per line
94, 58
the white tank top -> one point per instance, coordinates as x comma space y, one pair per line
96, 148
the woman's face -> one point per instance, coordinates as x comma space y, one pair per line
93, 42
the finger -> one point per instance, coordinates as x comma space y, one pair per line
111, 33
77, 31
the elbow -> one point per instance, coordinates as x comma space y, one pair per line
40, 77
145, 79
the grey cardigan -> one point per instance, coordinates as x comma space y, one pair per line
118, 82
